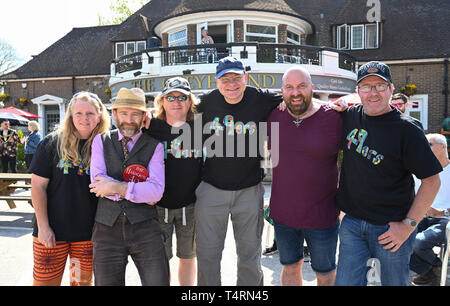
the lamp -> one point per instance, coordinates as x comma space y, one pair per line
24, 85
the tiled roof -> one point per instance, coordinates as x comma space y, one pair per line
411, 29
83, 51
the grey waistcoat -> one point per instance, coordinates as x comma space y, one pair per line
108, 211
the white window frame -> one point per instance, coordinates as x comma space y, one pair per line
175, 42
125, 46
353, 41
124, 49
339, 37
275, 36
290, 40
347, 42
140, 42
422, 108
377, 33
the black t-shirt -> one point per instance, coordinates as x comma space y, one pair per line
183, 163
71, 207
233, 161
380, 154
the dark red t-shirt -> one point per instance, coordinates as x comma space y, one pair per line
304, 182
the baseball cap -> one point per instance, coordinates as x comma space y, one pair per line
375, 68
176, 84
229, 64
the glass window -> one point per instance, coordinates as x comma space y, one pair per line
357, 36
253, 28
178, 38
371, 36
120, 49
260, 33
130, 47
293, 38
140, 46
343, 36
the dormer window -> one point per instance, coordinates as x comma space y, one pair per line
358, 36
129, 47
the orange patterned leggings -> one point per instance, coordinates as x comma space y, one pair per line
49, 263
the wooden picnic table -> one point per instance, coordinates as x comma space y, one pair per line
9, 182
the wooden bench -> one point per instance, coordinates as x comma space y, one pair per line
10, 200
19, 186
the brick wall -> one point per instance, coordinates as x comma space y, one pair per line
238, 30
60, 88
429, 79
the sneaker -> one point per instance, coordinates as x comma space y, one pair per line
272, 250
431, 278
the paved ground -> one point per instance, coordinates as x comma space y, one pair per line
16, 260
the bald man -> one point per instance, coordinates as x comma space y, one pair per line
304, 184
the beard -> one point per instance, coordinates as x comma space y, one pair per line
129, 129
298, 109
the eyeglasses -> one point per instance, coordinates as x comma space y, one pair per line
227, 80
368, 88
179, 98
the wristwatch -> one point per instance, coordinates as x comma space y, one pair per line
446, 213
411, 222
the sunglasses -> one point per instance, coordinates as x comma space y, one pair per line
179, 98
83, 93
398, 105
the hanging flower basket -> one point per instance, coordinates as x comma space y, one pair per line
4, 97
409, 89
22, 103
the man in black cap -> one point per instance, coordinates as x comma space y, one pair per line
231, 181
382, 149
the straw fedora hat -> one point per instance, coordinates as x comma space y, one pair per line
130, 98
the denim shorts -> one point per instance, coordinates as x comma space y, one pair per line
321, 244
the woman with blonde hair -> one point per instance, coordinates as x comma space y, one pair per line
31, 141
65, 209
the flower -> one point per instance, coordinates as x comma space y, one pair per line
4, 97
409, 89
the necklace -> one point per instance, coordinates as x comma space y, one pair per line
297, 122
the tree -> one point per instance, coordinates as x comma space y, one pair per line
8, 57
121, 10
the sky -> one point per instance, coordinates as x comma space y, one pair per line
31, 26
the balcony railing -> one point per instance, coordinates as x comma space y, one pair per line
255, 52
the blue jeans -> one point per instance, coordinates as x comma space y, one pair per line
359, 246
321, 243
431, 233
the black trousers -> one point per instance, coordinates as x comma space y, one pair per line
142, 241
11, 161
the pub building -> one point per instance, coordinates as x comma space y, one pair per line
163, 39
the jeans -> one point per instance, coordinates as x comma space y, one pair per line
321, 243
359, 248
431, 233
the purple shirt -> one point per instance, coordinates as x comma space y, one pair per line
142, 192
304, 183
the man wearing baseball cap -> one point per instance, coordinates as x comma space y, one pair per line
127, 173
231, 184
382, 149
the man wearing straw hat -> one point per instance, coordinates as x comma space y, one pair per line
127, 173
